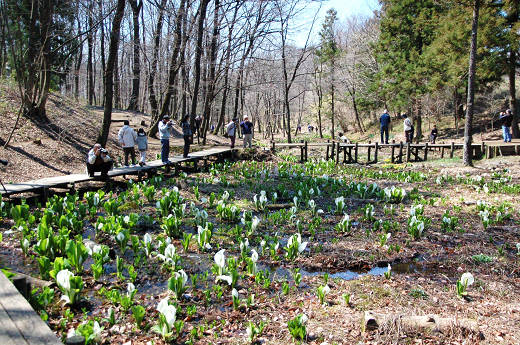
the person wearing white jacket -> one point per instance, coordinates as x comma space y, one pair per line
165, 126
127, 138
98, 160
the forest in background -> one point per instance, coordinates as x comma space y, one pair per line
227, 58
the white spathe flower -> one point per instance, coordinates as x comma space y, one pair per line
161, 307
169, 252
326, 290
71, 332
262, 244
467, 279
220, 258
63, 279
234, 293
263, 193
130, 288
389, 268
254, 256
169, 313
244, 245
120, 236
388, 235
147, 238
304, 319
254, 223
181, 274
96, 332
227, 279
126, 219
311, 203
446, 220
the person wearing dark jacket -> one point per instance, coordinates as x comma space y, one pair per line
384, 121
187, 134
507, 120
433, 134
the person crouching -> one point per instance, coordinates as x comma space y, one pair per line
98, 160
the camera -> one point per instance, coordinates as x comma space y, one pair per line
103, 150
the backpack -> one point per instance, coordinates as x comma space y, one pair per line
229, 127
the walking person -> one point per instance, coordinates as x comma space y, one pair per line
507, 120
127, 137
142, 145
433, 134
165, 126
384, 121
231, 130
408, 129
187, 135
98, 160
198, 123
247, 131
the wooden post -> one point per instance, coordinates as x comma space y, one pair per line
20, 283
356, 153
407, 152
375, 152
452, 149
306, 151
327, 155
301, 151
333, 146
369, 151
393, 151
344, 154
400, 152
442, 152
425, 152
337, 152
273, 148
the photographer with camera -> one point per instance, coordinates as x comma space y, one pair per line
98, 160
165, 126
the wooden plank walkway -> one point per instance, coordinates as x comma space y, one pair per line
405, 151
41, 185
19, 323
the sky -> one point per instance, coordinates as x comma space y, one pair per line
345, 9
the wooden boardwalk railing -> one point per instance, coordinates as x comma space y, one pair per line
19, 323
399, 152
42, 186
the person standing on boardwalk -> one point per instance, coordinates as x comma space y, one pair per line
198, 123
433, 134
187, 135
384, 121
231, 131
127, 137
142, 145
408, 128
507, 120
247, 131
98, 160
165, 127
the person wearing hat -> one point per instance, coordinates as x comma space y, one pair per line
231, 131
247, 131
165, 126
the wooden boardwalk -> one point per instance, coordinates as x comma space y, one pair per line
19, 323
41, 186
399, 152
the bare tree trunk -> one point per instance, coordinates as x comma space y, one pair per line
90, 57
136, 68
332, 94
174, 67
77, 64
198, 53
155, 59
468, 135
512, 93
109, 73
212, 67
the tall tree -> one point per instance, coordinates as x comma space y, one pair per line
328, 53
109, 72
468, 128
136, 64
512, 16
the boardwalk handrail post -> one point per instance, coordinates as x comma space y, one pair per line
407, 152
327, 154
452, 149
301, 151
375, 153
332, 155
400, 160
306, 151
369, 151
273, 148
337, 152
393, 152
483, 149
425, 152
356, 153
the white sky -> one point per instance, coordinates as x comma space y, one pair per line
345, 9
